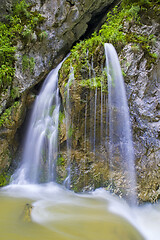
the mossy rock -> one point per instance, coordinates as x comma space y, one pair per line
26, 215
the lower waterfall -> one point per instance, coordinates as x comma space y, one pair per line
41, 145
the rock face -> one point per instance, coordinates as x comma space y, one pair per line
88, 159
11, 120
64, 22
144, 98
143, 88
5, 7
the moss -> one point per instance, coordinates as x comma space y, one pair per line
21, 24
26, 215
60, 161
113, 31
28, 63
61, 117
43, 36
4, 179
96, 82
6, 117
61, 169
15, 93
70, 132
60, 179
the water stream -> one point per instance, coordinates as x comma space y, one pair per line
60, 214
68, 125
41, 145
121, 152
55, 212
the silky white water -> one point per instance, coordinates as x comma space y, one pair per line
68, 125
41, 145
121, 152
60, 214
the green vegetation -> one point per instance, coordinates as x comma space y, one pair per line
15, 93
6, 116
7, 51
96, 82
60, 161
61, 117
70, 132
117, 30
43, 35
21, 25
28, 63
4, 179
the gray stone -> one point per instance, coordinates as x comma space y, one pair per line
65, 22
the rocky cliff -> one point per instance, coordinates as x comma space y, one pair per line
139, 56
43, 33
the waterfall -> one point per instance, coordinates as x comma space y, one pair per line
68, 126
121, 153
95, 108
41, 145
110, 129
85, 126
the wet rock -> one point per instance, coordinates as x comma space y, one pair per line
12, 120
142, 80
26, 215
64, 23
143, 84
5, 95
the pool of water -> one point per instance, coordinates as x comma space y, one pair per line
49, 212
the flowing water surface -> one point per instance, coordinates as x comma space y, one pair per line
48, 211
60, 214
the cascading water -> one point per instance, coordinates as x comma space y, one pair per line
58, 210
121, 153
41, 146
68, 126
95, 110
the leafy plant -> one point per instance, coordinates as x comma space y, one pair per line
6, 116
28, 63
60, 161
27, 34
15, 93
43, 35
113, 31
4, 179
21, 24
97, 82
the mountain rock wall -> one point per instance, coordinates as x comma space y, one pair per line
63, 23
89, 158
